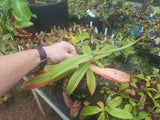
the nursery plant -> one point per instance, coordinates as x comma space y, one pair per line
15, 15
126, 30
9, 8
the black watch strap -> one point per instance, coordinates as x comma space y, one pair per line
43, 56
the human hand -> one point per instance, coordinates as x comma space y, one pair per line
59, 52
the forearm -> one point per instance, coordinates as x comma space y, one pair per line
14, 66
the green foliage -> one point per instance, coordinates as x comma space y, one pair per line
141, 102
110, 108
17, 8
120, 3
76, 77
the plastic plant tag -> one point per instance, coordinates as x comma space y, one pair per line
75, 10
80, 32
137, 33
96, 30
129, 31
159, 54
11, 38
150, 18
136, 8
91, 41
112, 42
34, 15
108, 99
79, 16
90, 13
1, 14
157, 41
126, 3
110, 8
19, 48
112, 36
97, 47
105, 38
106, 29
91, 23
151, 32
120, 39
155, 71
132, 23
154, 13
81, 41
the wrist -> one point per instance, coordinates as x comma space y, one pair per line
42, 55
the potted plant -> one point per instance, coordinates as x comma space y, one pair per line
46, 14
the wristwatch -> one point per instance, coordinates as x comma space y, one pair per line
43, 56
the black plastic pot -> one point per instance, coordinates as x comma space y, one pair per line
45, 17
154, 60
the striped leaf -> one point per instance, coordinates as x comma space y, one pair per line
86, 50
41, 80
68, 64
91, 81
76, 77
107, 47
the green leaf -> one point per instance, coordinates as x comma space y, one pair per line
120, 3
3, 48
143, 115
42, 80
157, 110
86, 50
150, 95
133, 85
156, 72
105, 53
123, 86
152, 89
119, 113
91, 82
100, 104
101, 116
22, 24
156, 104
90, 110
68, 64
158, 87
99, 64
21, 10
76, 77
140, 76
7, 96
4, 4
115, 102
117, 53
107, 47
83, 36
157, 96
128, 107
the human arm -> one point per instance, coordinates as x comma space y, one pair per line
14, 66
